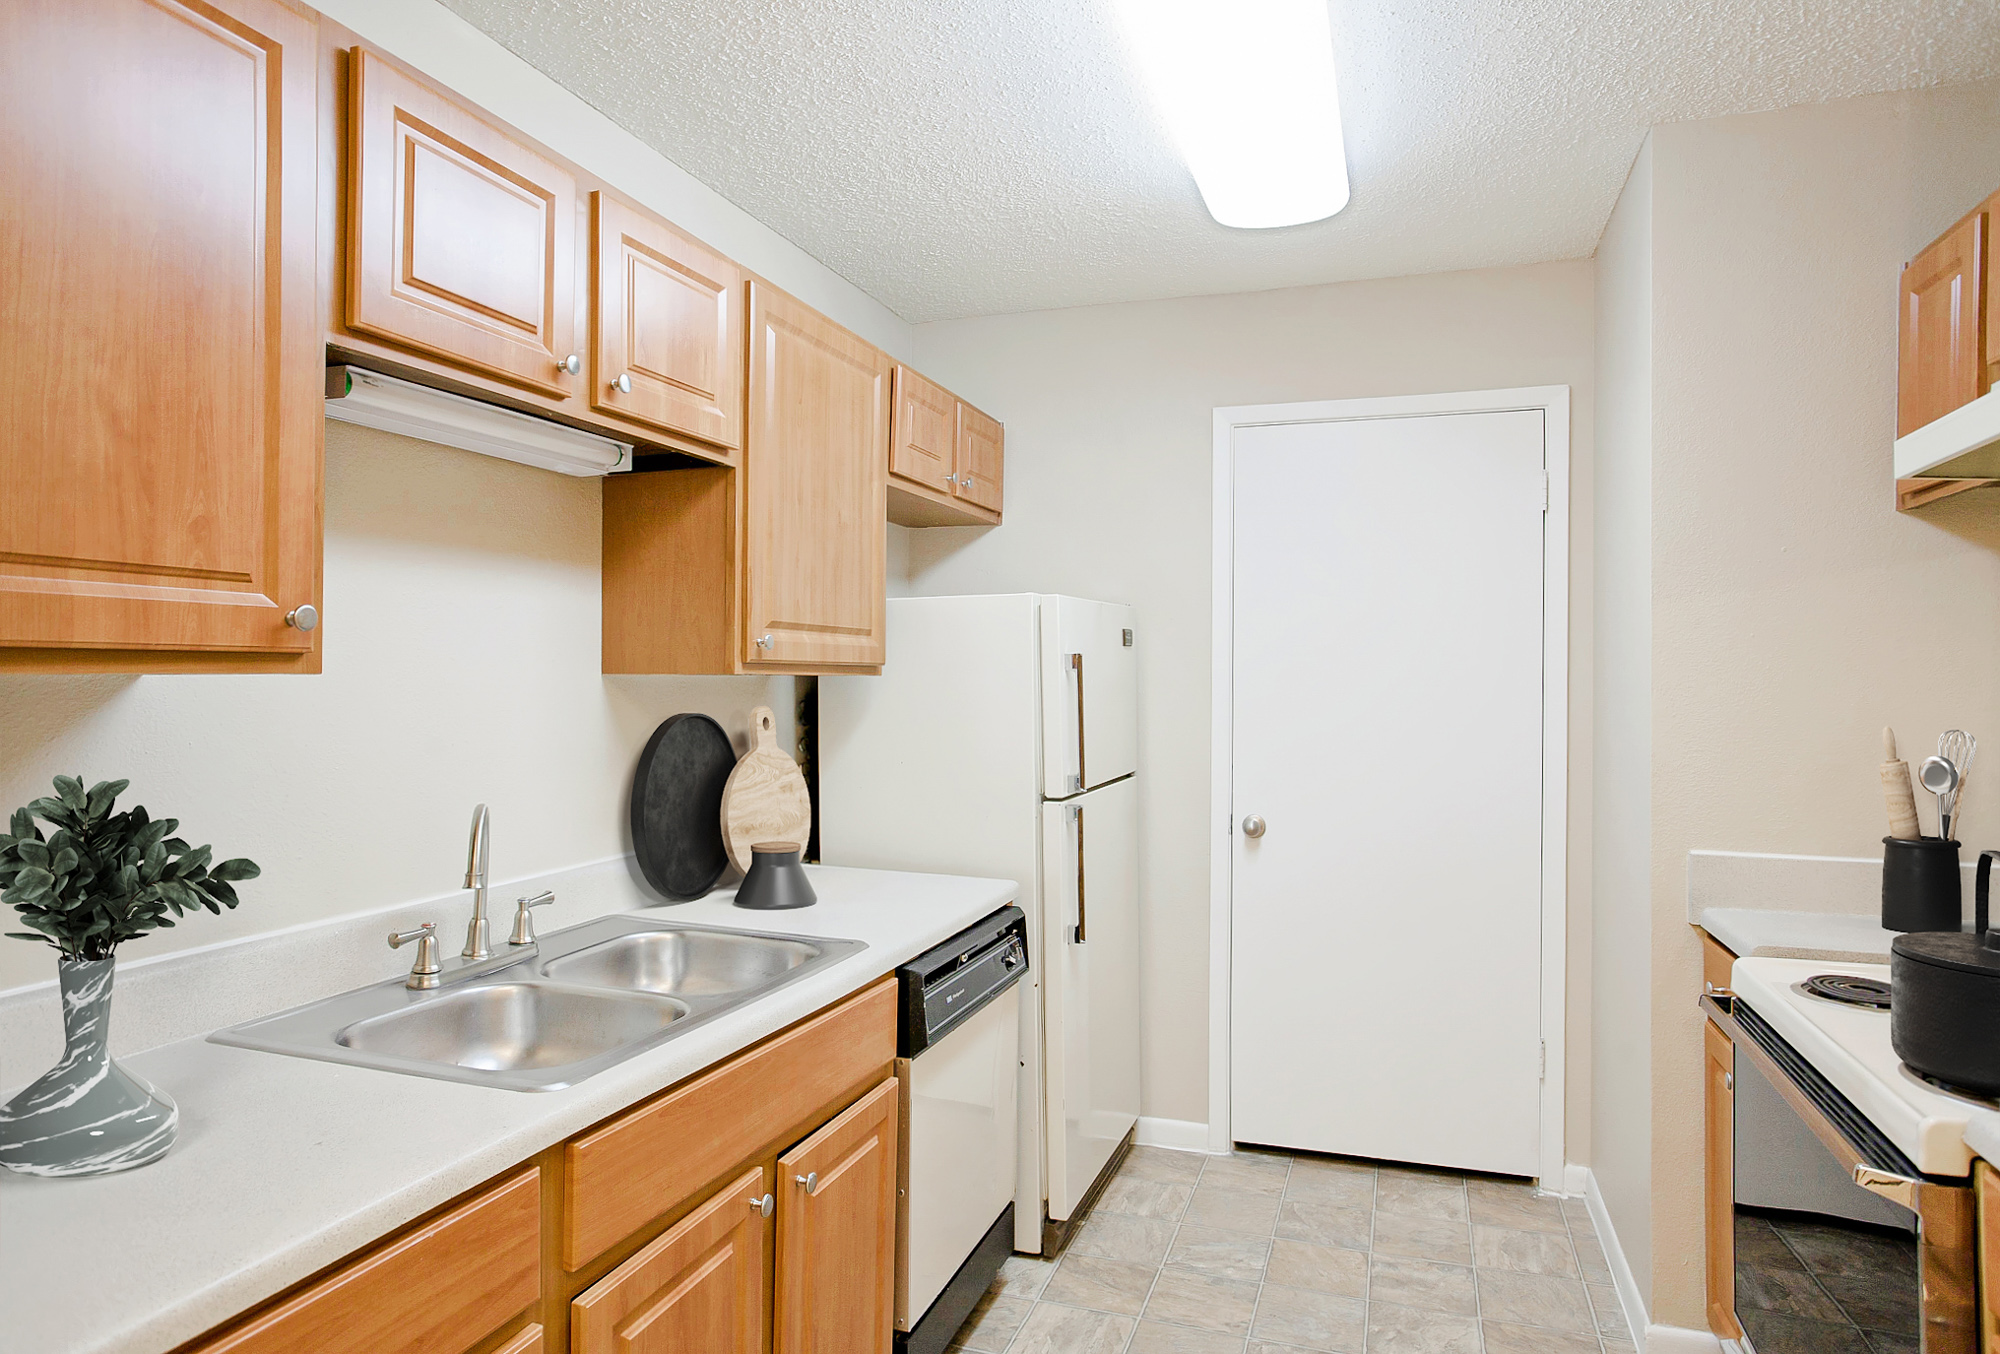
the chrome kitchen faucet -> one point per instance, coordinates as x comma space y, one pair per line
477, 852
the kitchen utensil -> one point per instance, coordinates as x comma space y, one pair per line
775, 880
1896, 791
1940, 777
677, 803
1921, 885
1944, 1014
765, 799
1957, 747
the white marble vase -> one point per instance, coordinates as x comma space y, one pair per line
86, 1115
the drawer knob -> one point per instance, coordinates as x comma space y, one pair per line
303, 618
623, 385
810, 1180
570, 365
764, 1205
764, 641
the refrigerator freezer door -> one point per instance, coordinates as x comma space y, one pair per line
1090, 695
1090, 984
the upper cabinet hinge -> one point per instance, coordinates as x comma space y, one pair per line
1545, 491
1543, 1072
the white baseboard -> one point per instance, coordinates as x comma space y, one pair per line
1182, 1135
1576, 1179
1679, 1340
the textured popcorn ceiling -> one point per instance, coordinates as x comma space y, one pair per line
966, 157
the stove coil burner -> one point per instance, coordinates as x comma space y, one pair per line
1848, 990
1961, 1092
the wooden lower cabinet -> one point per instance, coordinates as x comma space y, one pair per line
837, 1233
700, 1287
1719, 1179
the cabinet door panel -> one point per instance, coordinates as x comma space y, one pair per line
1719, 1181
816, 489
837, 1237
921, 442
461, 241
669, 317
699, 1287
1940, 365
159, 404
979, 464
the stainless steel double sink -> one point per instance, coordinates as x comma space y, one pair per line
576, 1002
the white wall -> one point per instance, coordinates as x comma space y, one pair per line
1107, 495
461, 636
1621, 982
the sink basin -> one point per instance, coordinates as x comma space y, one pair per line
685, 963
511, 1027
575, 1002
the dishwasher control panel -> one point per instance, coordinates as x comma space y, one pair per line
942, 987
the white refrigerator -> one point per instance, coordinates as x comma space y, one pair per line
1001, 740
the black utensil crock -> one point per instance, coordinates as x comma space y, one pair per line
1921, 889
1944, 1004
775, 880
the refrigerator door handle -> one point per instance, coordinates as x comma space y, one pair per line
1078, 931
1082, 777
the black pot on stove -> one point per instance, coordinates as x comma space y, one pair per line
1944, 1014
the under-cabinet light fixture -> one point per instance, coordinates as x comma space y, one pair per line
1247, 91
398, 406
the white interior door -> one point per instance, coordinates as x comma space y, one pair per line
1090, 984
1090, 695
1386, 928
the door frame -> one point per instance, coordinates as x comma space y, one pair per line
1553, 403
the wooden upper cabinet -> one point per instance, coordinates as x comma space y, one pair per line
461, 241
815, 489
669, 325
1942, 358
923, 436
699, 1287
442, 1289
837, 1234
160, 417
979, 461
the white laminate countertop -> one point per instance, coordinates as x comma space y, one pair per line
1982, 1135
1762, 933
284, 1164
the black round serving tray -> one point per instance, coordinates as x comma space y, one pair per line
677, 806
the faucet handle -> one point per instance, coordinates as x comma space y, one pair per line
524, 925
424, 973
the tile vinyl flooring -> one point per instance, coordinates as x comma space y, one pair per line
1806, 1285
1271, 1253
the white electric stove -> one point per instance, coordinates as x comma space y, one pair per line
1849, 1046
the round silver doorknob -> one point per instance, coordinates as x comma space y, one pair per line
302, 618
623, 385
570, 365
1253, 826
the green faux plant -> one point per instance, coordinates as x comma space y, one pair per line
100, 878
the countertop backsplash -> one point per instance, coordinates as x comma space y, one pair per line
1841, 885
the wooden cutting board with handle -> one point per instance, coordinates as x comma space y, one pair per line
765, 799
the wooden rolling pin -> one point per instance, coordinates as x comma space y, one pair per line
1897, 791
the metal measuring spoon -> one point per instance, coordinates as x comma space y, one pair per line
1940, 777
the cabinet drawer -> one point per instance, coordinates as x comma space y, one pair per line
440, 1290
646, 1161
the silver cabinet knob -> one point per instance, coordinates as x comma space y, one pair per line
764, 1205
303, 618
764, 641
965, 481
951, 479
810, 1180
570, 365
1253, 826
623, 385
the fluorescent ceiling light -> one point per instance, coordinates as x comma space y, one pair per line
1247, 90
397, 406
